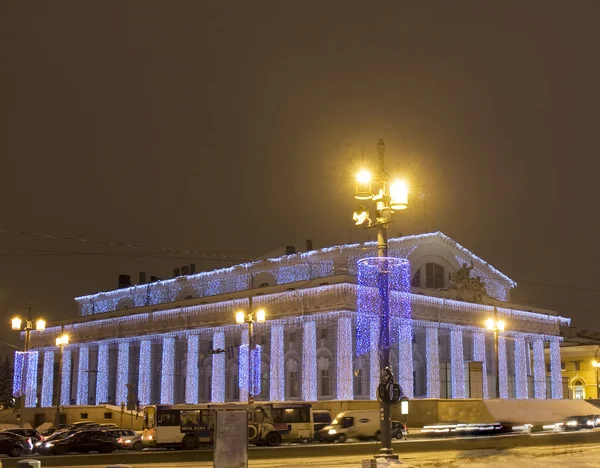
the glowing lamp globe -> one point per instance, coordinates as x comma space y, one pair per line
489, 324
260, 315
399, 195
240, 317
363, 185
500, 325
16, 323
40, 325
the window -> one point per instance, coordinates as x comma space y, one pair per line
434, 276
290, 415
325, 382
416, 281
83, 415
323, 334
188, 297
107, 415
577, 365
168, 418
292, 337
563, 366
548, 368
358, 382
294, 385
263, 285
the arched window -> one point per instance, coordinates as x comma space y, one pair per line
292, 381
430, 276
264, 284
578, 390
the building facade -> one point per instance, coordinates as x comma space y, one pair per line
161, 342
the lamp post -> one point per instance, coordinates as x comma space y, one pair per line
596, 366
495, 325
27, 326
61, 342
249, 318
389, 197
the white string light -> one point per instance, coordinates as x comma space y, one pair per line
48, 379
31, 382
277, 367
167, 380
432, 365
520, 368
309, 360
373, 359
102, 373
344, 389
555, 368
479, 355
218, 368
65, 383
83, 376
191, 380
539, 368
502, 366
123, 372
457, 363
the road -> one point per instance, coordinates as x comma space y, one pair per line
422, 452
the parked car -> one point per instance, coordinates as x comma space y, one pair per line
321, 418
575, 423
14, 445
32, 434
399, 430
82, 425
126, 439
82, 442
595, 419
40, 447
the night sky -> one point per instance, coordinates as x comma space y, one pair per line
235, 128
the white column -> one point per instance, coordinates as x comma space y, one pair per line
345, 390
83, 375
31, 380
457, 363
479, 356
103, 373
539, 368
65, 378
555, 370
243, 366
145, 372
277, 369
405, 357
309, 361
520, 368
502, 366
48, 379
167, 381
432, 351
374, 359
191, 374
218, 368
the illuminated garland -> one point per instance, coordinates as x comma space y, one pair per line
479, 355
19, 373
191, 379
502, 366
243, 366
31, 381
539, 368
344, 389
123, 373
83, 376
309, 360
65, 381
167, 379
432, 364
520, 369
102, 374
373, 359
145, 372
218, 368
255, 363
48, 379
277, 367
457, 363
555, 369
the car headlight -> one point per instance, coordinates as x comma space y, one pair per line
38, 444
49, 444
332, 431
590, 423
571, 423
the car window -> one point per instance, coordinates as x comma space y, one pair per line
4, 437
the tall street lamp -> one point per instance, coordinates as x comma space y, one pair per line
495, 325
27, 326
61, 342
250, 317
389, 197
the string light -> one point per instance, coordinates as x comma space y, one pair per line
145, 372
555, 368
255, 361
65, 383
277, 367
19, 372
31, 381
479, 355
309, 360
102, 374
373, 358
502, 366
123, 372
167, 371
218, 368
457, 363
243, 366
48, 379
432, 365
83, 376
520, 368
345, 390
191, 379
539, 369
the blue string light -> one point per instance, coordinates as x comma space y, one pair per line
373, 358
65, 383
277, 366
102, 374
345, 390
218, 368
191, 389
83, 376
48, 379
123, 372
19, 373
145, 372
309, 361
167, 380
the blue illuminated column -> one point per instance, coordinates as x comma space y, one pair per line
405, 357
243, 367
31, 382
145, 372
309, 361
502, 366
345, 389
123, 372
103, 373
479, 356
218, 368
520, 368
83, 375
48, 379
65, 378
191, 379
457, 363
167, 380
539, 368
374, 370
555, 368
277, 369
432, 363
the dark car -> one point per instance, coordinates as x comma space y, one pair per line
575, 423
399, 430
82, 442
32, 434
45, 445
14, 445
595, 419
321, 418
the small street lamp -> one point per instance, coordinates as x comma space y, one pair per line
495, 325
61, 342
27, 326
389, 197
249, 318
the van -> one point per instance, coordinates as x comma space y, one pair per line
358, 424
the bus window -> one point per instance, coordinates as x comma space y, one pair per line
168, 418
190, 418
291, 415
